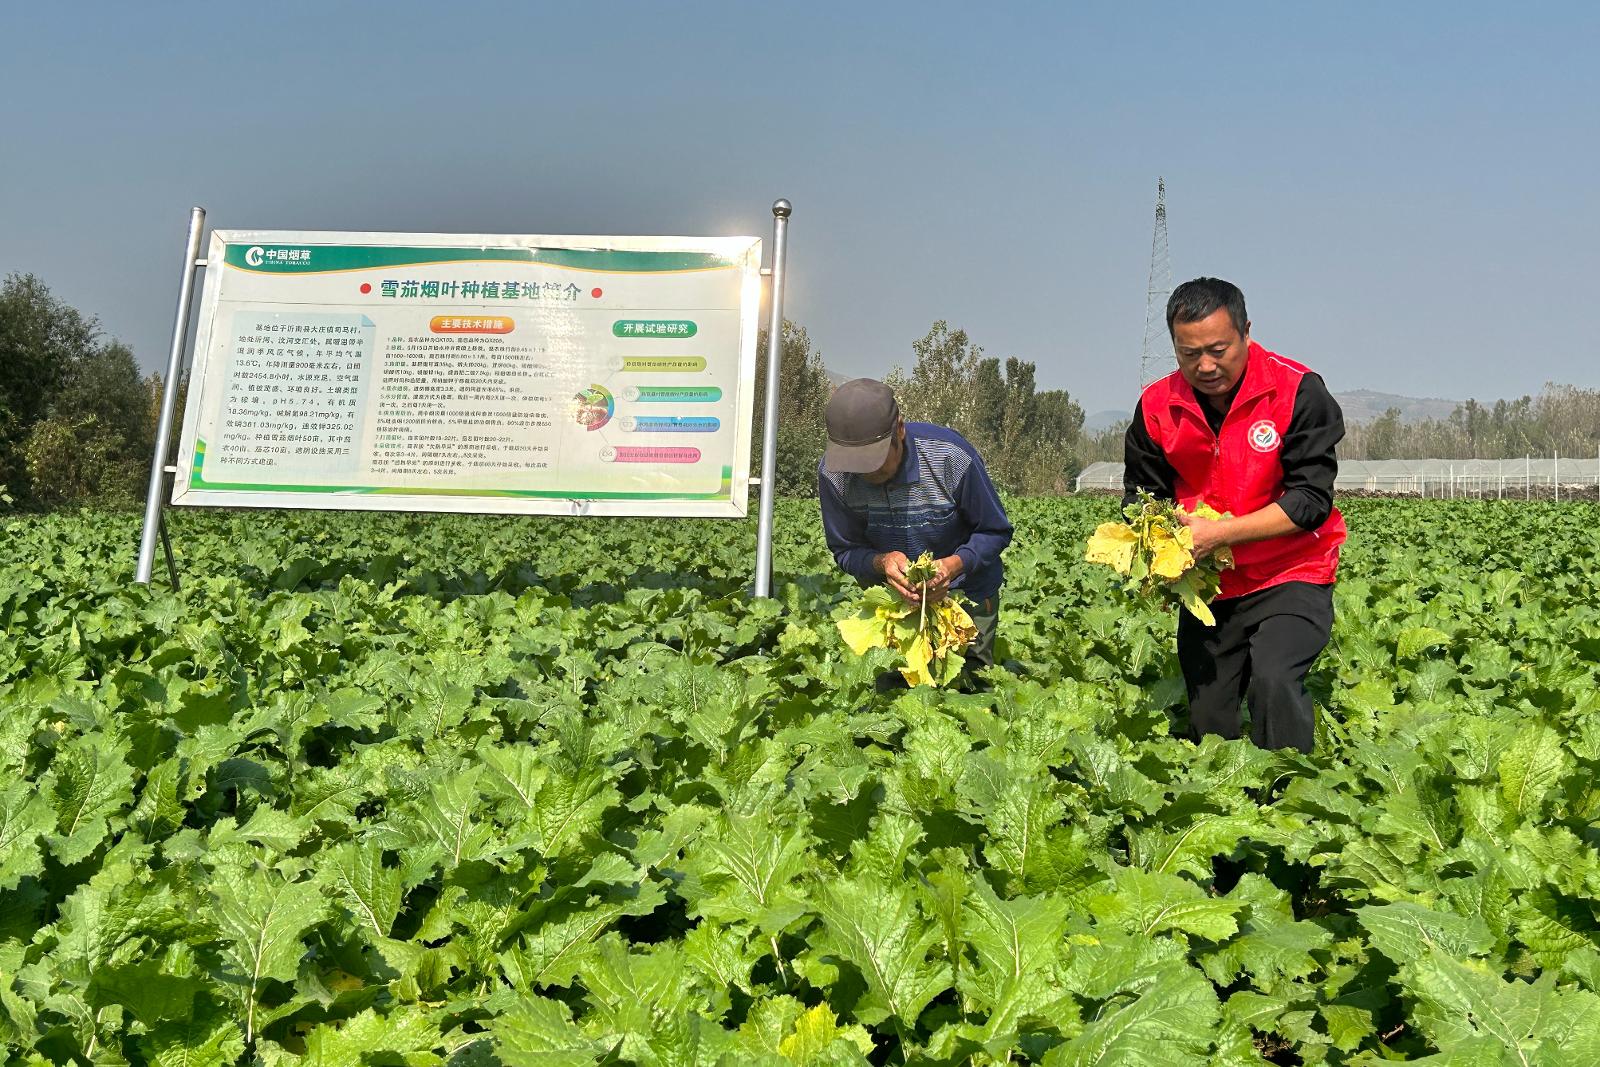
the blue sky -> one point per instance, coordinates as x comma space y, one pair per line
1404, 191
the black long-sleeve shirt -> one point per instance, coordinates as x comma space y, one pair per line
1308, 455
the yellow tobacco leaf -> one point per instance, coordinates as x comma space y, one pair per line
919, 658
863, 633
919, 654
955, 627
1199, 609
1113, 544
1190, 597
1170, 556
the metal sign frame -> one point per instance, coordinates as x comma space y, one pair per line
154, 526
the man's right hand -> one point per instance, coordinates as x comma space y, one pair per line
892, 565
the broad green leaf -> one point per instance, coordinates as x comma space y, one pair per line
570, 805
1167, 1023
632, 994
1189, 849
1460, 1004
261, 920
25, 817
95, 923
449, 820
277, 830
1531, 767
404, 1034
1146, 903
331, 794
1554, 926
1417, 639
1348, 1025
551, 953
1404, 931
539, 1032
211, 1041
436, 708
89, 782
514, 772
370, 891
1025, 837
879, 928
769, 1021
160, 809
149, 993
1271, 945
724, 955
745, 869
352, 708
1018, 943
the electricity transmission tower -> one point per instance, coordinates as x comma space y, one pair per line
1156, 358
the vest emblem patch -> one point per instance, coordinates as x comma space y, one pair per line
1264, 436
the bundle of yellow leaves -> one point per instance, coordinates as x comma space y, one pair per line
930, 637
1154, 551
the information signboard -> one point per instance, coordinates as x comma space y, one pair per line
451, 372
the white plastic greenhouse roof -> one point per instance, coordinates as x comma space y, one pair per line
1423, 476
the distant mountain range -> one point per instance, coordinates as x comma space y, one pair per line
1364, 405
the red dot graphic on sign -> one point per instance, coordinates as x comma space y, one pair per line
595, 293
366, 287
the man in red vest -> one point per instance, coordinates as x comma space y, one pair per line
1252, 434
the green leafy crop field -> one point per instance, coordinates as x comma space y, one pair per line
382, 789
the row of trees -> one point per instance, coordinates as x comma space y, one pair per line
1028, 438
1563, 419
76, 417
803, 391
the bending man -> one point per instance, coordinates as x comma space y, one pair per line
892, 490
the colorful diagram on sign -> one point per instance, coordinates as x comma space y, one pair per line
595, 407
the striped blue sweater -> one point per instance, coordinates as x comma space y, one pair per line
940, 500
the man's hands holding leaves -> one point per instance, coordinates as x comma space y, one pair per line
893, 566
950, 567
1209, 534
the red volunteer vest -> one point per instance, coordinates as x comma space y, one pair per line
1239, 470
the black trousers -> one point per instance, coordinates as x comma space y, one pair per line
1261, 649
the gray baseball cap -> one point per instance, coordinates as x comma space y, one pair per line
862, 415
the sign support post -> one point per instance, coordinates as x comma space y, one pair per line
769, 435
166, 546
153, 525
